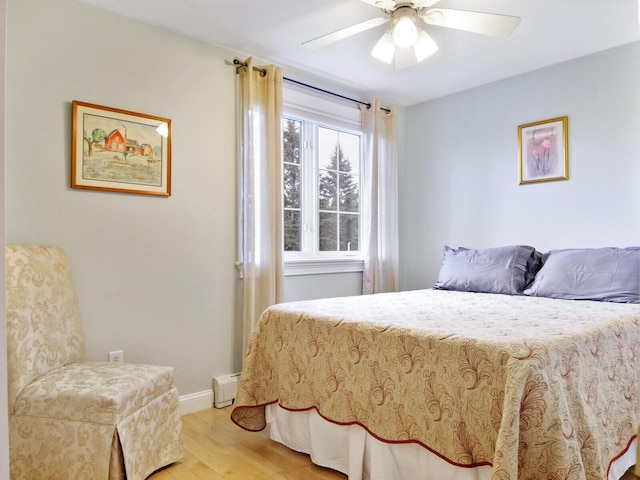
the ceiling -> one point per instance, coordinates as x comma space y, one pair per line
551, 31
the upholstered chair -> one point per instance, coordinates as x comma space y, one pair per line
68, 418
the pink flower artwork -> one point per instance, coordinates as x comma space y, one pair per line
543, 151
542, 155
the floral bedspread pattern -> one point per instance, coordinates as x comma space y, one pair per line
538, 388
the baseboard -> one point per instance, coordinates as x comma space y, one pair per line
194, 402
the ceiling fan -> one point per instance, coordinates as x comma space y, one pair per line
406, 40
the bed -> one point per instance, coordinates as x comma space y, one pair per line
453, 382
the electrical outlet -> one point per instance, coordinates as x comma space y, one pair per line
117, 356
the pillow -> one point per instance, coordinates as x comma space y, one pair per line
605, 274
490, 270
533, 266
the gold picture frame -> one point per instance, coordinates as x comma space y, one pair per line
543, 150
120, 151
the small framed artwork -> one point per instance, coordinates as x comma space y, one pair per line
120, 151
544, 155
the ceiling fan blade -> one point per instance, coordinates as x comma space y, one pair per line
383, 4
477, 22
392, 4
423, 3
345, 32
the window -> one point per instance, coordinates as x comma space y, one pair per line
291, 186
338, 190
322, 157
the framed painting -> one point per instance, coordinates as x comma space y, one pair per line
544, 152
120, 151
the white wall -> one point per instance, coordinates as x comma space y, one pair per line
459, 175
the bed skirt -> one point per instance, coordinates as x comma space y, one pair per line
353, 451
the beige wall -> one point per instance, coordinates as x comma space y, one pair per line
4, 428
155, 276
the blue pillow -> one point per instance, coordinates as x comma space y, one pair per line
491, 270
605, 274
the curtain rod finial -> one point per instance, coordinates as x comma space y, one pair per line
238, 64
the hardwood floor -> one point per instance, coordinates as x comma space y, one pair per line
217, 449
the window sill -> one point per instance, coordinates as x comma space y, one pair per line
319, 266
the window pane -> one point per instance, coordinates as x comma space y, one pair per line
328, 232
349, 232
291, 141
291, 231
291, 185
350, 147
349, 193
327, 145
328, 190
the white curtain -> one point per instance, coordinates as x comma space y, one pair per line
260, 191
380, 199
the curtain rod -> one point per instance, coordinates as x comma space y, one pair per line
263, 72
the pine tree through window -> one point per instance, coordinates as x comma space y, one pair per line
338, 191
291, 185
321, 188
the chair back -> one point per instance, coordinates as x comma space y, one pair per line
44, 331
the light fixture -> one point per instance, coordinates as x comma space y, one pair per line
385, 48
406, 42
424, 46
405, 32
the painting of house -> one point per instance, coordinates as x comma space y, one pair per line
134, 148
114, 141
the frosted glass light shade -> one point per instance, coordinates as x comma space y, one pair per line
385, 48
424, 46
405, 32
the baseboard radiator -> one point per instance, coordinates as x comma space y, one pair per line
225, 388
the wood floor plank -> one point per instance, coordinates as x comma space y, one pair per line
217, 449
183, 472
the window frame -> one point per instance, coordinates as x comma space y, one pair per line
330, 114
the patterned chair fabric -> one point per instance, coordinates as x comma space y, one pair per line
71, 419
